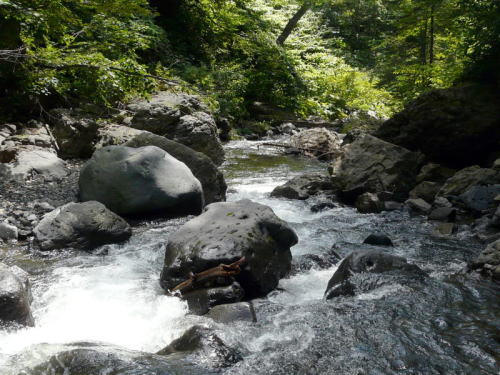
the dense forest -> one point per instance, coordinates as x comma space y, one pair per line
326, 58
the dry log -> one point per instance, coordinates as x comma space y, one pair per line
197, 280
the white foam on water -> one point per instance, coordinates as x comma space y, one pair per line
303, 288
114, 299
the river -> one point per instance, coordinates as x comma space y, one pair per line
447, 324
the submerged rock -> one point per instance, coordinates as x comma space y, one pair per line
372, 165
135, 181
202, 346
378, 239
233, 312
200, 301
82, 226
302, 187
226, 232
15, 296
368, 203
210, 177
100, 359
345, 280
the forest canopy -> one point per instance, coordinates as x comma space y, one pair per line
325, 58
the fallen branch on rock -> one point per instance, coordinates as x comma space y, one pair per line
197, 280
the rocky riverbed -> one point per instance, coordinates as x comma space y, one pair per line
105, 310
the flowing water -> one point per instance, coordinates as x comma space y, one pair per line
447, 323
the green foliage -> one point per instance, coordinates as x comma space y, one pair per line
82, 49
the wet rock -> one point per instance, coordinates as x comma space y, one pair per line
488, 262
224, 233
468, 177
443, 214
8, 231
211, 179
457, 126
201, 345
495, 220
419, 205
233, 312
145, 180
322, 206
29, 161
372, 165
182, 118
302, 187
82, 226
369, 203
345, 280
318, 142
426, 190
306, 262
15, 296
200, 301
100, 359
378, 239
480, 198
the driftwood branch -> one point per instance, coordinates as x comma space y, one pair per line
196, 280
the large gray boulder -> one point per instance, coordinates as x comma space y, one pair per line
488, 262
116, 135
317, 142
210, 177
468, 177
82, 226
457, 126
372, 165
15, 296
26, 161
480, 198
181, 117
135, 181
354, 273
226, 232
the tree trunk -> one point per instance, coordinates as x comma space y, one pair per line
292, 23
431, 44
423, 43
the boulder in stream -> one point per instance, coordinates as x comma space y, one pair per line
210, 177
82, 226
318, 142
378, 239
362, 271
15, 296
372, 165
302, 187
202, 346
488, 262
138, 181
225, 233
